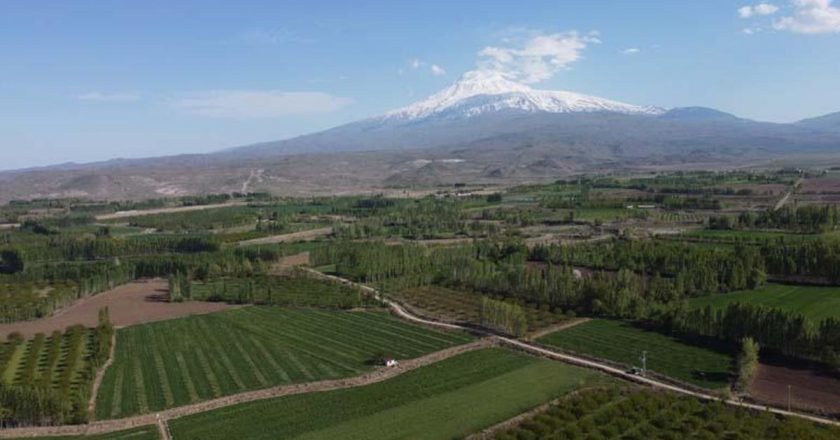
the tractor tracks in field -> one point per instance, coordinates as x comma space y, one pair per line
161, 419
592, 364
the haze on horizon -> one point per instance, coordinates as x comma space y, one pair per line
92, 81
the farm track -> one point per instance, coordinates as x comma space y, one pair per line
308, 235
556, 328
124, 214
162, 417
587, 363
97, 381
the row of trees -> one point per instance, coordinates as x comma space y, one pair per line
55, 398
503, 316
809, 218
773, 329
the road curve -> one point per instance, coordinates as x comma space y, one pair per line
587, 363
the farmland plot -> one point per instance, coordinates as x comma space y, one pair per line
482, 388
143, 433
182, 361
623, 343
813, 302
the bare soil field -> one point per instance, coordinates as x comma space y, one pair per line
820, 185
285, 263
135, 303
810, 390
307, 235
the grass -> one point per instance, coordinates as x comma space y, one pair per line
747, 235
450, 399
142, 433
813, 302
177, 362
622, 342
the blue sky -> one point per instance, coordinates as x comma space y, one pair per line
84, 81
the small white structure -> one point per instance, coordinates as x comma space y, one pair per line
391, 362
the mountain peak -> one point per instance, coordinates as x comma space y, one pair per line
484, 91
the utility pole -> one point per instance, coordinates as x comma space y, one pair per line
789, 387
644, 363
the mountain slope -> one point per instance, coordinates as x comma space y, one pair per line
485, 128
830, 122
480, 92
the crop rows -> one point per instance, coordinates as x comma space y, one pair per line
448, 399
452, 305
632, 413
816, 303
623, 343
177, 362
55, 362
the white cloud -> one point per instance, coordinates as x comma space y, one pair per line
252, 104
108, 97
537, 58
811, 17
415, 63
631, 51
758, 10
437, 70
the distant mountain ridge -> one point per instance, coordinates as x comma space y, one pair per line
484, 128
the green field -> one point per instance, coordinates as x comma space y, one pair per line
458, 306
623, 343
281, 290
448, 399
638, 414
142, 433
181, 361
748, 235
813, 302
59, 362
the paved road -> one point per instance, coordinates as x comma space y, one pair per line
587, 363
160, 419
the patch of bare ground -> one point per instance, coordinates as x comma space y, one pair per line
307, 235
124, 214
130, 304
556, 328
284, 264
810, 390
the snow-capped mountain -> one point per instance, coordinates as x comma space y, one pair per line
479, 92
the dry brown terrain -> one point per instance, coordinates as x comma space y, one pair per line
810, 389
135, 303
124, 214
308, 235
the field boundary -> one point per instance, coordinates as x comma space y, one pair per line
100, 374
162, 417
593, 364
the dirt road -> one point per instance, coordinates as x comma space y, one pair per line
135, 213
129, 304
160, 418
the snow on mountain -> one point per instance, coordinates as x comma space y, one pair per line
479, 92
